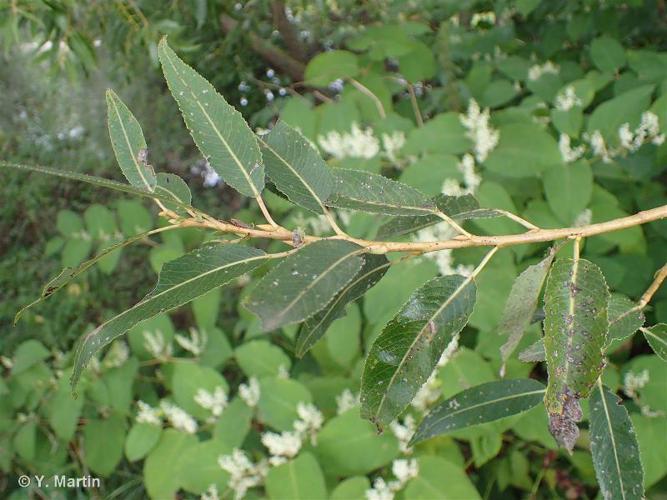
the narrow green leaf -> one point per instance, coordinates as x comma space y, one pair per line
477, 405
624, 320
359, 190
296, 167
534, 353
458, 208
656, 336
174, 189
220, 132
129, 145
614, 447
305, 282
522, 303
90, 179
68, 274
180, 281
575, 331
407, 351
374, 268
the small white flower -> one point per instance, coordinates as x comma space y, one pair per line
452, 187
195, 343
147, 414
404, 470
427, 393
215, 401
156, 345
250, 392
310, 421
568, 153
179, 418
484, 137
584, 218
283, 372
117, 354
471, 179
536, 71
392, 143
404, 432
625, 136
632, 382
346, 401
567, 99
357, 143
243, 473
598, 145
449, 351
286, 444
380, 491
211, 493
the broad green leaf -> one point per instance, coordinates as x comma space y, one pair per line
348, 445
568, 189
575, 331
64, 412
374, 268
353, 488
624, 320
28, 354
134, 218
656, 336
200, 468
374, 193
328, 66
443, 134
511, 158
187, 379
614, 447
459, 208
129, 144
103, 444
625, 108
439, 479
175, 192
162, 469
233, 425
407, 351
220, 132
180, 281
278, 401
141, 439
260, 358
296, 167
70, 273
522, 303
651, 430
298, 479
304, 282
89, 179
483, 403
607, 54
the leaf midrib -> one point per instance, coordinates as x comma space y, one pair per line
611, 436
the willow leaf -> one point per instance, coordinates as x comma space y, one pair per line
477, 405
407, 351
656, 336
90, 179
522, 303
69, 273
374, 268
614, 447
575, 331
459, 208
174, 189
180, 281
534, 353
129, 145
624, 320
359, 190
220, 132
303, 283
296, 167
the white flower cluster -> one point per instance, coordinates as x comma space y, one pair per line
444, 259
211, 493
178, 417
404, 470
471, 179
392, 143
357, 143
117, 354
404, 432
584, 218
148, 415
250, 392
288, 443
243, 473
632, 382
346, 401
215, 401
567, 99
536, 71
195, 343
569, 153
156, 345
484, 137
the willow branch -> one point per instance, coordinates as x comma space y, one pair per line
460, 241
659, 277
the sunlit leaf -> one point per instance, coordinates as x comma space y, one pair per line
575, 331
359, 190
480, 404
304, 282
407, 351
374, 268
129, 144
220, 132
296, 167
614, 447
180, 281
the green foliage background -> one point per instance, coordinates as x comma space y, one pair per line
437, 54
